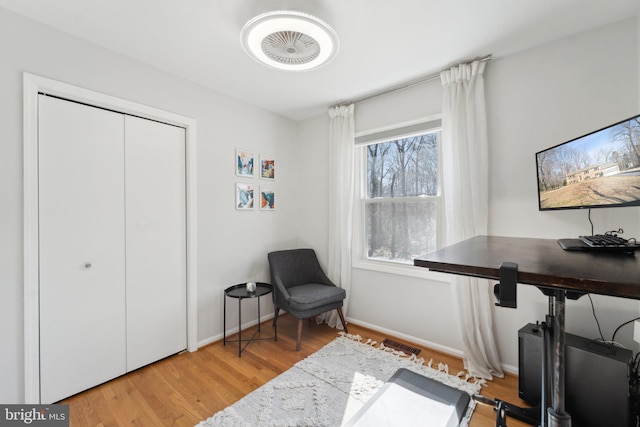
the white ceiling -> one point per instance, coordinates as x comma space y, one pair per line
382, 42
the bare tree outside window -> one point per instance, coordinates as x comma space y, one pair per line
402, 197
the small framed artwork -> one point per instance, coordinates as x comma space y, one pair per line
267, 198
267, 167
244, 163
244, 196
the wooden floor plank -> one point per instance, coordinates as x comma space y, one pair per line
187, 388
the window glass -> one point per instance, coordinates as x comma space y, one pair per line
402, 197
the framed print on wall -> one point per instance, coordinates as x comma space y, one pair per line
244, 163
267, 198
244, 196
267, 167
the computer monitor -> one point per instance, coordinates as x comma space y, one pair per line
596, 170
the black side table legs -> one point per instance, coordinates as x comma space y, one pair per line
240, 292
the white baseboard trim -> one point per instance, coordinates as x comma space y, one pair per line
435, 346
510, 369
219, 337
410, 338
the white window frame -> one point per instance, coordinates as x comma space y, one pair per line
360, 259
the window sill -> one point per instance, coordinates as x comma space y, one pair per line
401, 269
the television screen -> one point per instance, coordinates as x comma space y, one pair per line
597, 170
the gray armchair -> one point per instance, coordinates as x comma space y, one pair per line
301, 288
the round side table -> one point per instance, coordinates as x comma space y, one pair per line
240, 292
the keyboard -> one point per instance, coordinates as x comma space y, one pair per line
609, 242
603, 240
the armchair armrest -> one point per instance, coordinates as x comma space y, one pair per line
281, 289
321, 277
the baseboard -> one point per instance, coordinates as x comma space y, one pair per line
510, 369
410, 338
432, 345
441, 348
219, 337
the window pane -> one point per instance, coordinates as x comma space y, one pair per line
401, 231
403, 168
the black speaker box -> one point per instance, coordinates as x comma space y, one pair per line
596, 378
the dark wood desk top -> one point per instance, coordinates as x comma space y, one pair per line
541, 262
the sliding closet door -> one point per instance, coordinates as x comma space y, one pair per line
82, 262
156, 241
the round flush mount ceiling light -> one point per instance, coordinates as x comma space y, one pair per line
288, 40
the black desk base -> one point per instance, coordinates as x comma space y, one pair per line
551, 410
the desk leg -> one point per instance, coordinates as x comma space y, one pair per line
546, 362
556, 414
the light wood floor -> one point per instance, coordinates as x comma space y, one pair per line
185, 389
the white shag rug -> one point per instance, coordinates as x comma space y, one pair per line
330, 386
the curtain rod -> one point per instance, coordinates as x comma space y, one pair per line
399, 86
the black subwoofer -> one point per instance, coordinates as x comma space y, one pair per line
596, 378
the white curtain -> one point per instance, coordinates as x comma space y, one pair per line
465, 184
341, 188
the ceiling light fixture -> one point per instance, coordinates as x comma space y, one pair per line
288, 40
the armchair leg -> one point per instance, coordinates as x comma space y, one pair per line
344, 324
299, 334
276, 311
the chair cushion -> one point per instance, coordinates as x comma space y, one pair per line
313, 295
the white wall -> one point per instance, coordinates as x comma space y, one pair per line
535, 99
232, 245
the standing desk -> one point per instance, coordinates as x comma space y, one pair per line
556, 272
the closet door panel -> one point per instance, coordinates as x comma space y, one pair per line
82, 271
156, 241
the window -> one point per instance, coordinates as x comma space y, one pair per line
400, 193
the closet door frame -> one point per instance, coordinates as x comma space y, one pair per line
32, 86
